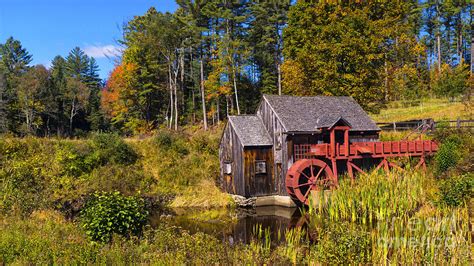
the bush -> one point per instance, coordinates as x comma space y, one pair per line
204, 144
112, 148
344, 244
127, 180
75, 160
22, 187
456, 190
172, 142
448, 154
109, 213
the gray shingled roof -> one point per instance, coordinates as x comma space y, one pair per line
306, 114
250, 130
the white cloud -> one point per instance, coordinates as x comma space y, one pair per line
103, 51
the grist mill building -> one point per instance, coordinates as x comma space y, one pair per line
257, 150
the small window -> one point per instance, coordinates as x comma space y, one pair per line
260, 167
227, 168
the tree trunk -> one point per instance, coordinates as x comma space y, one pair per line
279, 78
176, 100
386, 78
227, 106
193, 84
235, 91
204, 114
218, 110
182, 77
71, 116
171, 96
438, 37
438, 42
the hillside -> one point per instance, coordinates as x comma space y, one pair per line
437, 109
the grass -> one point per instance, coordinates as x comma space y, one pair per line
398, 218
437, 109
58, 173
401, 218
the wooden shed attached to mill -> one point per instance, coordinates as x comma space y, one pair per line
256, 151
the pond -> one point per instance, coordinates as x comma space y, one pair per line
232, 225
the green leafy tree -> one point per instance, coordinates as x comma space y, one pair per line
451, 81
349, 48
14, 61
30, 92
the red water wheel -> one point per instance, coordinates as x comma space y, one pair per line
307, 175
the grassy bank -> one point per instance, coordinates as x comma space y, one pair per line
438, 109
400, 218
58, 173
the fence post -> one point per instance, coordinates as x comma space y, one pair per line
394, 126
458, 123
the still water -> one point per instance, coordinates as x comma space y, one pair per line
232, 226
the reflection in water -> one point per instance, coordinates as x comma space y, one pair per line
233, 226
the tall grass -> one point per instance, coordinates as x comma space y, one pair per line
377, 197
438, 109
400, 214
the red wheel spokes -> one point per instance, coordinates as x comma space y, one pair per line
300, 180
320, 171
307, 194
309, 178
309, 183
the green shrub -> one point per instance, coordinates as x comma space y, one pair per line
127, 180
112, 148
343, 243
164, 139
22, 186
448, 154
204, 144
456, 190
75, 160
172, 142
12, 148
109, 213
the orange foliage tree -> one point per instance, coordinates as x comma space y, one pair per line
121, 98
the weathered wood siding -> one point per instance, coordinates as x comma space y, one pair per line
282, 159
243, 179
231, 151
258, 184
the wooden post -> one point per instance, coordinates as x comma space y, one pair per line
333, 142
346, 141
458, 123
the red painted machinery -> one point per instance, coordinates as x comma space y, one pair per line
316, 165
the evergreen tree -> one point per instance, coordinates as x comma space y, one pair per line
266, 39
14, 62
56, 112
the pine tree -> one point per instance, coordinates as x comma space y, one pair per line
14, 62
266, 39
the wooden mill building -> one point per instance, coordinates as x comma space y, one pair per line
257, 150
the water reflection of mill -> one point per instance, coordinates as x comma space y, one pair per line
234, 226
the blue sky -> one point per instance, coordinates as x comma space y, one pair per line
47, 28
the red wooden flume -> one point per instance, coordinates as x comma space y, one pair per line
316, 165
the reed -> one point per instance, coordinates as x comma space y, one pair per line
399, 214
376, 197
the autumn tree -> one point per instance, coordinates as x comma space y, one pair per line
32, 86
356, 49
121, 99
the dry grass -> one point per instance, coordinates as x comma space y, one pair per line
438, 109
204, 195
